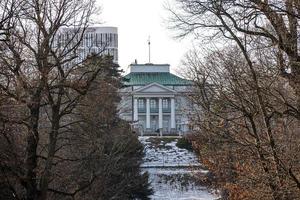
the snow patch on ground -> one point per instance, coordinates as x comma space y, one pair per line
166, 153
172, 171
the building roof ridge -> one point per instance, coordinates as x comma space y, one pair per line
163, 78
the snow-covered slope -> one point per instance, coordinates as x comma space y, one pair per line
173, 171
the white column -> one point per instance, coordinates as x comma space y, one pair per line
135, 110
148, 113
160, 114
173, 124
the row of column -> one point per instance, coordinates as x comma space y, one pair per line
160, 113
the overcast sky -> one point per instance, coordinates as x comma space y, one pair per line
136, 20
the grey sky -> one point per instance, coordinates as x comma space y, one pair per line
136, 20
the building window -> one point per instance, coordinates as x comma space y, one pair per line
141, 103
114, 40
165, 103
152, 103
110, 39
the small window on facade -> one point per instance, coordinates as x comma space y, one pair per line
165, 103
141, 103
91, 40
153, 103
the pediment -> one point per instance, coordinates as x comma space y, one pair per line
154, 88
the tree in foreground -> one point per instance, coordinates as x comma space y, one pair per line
274, 24
43, 85
114, 152
247, 93
243, 130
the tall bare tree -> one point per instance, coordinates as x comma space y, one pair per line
41, 76
245, 136
245, 21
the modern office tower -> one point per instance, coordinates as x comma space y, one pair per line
99, 40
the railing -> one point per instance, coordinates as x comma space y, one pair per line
154, 110
141, 110
166, 110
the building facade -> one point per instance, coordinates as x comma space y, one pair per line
99, 40
154, 100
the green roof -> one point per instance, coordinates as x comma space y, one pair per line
163, 78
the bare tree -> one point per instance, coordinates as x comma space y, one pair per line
39, 74
245, 21
245, 136
7, 10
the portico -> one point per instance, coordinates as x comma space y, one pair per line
154, 108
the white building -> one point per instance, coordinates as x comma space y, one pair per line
155, 100
100, 40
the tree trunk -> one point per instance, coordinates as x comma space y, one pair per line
51, 152
296, 83
31, 157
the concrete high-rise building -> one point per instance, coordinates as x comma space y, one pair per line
100, 40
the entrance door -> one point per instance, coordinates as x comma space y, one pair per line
166, 126
153, 125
